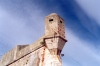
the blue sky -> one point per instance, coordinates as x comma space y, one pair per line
22, 22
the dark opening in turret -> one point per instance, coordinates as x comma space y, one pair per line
50, 20
60, 21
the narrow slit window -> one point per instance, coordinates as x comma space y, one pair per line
50, 20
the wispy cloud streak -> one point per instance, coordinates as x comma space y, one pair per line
80, 51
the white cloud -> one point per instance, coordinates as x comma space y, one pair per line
14, 30
91, 7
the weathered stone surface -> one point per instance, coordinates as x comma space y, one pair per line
40, 57
32, 59
9, 56
19, 51
51, 60
54, 25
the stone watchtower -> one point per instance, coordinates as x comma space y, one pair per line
55, 32
45, 51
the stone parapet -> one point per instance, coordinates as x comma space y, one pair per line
20, 51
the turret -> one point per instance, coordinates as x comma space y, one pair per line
55, 33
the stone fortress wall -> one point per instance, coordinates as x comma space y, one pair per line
45, 51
